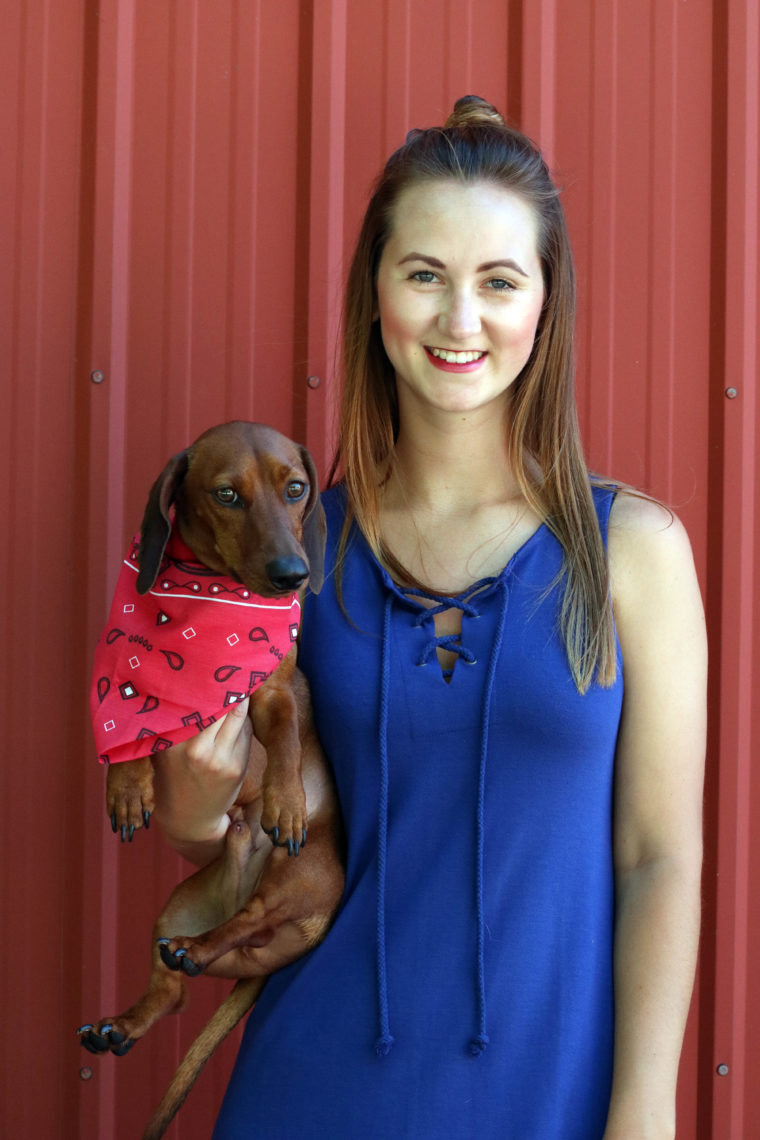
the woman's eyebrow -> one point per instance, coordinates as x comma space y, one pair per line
500, 263
423, 257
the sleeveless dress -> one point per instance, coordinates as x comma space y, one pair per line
465, 989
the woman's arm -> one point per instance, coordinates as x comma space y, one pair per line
657, 812
197, 781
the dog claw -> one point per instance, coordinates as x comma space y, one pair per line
146, 820
167, 957
114, 826
103, 1040
177, 960
292, 845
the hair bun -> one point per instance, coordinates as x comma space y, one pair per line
472, 111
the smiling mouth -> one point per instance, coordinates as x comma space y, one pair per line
455, 357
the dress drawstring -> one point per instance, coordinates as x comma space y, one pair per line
481, 1039
385, 1040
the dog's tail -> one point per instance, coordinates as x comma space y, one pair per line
235, 1006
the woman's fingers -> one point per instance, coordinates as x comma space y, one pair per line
222, 748
198, 780
230, 727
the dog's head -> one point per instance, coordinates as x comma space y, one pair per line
246, 502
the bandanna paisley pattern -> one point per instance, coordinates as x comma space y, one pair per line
172, 661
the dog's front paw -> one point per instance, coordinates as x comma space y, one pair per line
105, 1037
129, 796
174, 954
283, 815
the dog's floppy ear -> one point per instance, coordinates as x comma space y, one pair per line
156, 525
314, 526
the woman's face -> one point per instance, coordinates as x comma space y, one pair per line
459, 295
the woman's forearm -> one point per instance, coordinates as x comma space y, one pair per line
656, 937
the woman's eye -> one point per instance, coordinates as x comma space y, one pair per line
424, 276
296, 490
227, 496
500, 285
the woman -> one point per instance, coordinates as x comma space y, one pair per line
515, 950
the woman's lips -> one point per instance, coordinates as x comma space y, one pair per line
450, 361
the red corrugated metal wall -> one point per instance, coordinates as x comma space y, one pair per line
181, 182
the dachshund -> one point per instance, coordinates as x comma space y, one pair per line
243, 502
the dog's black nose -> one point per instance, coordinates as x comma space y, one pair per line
287, 573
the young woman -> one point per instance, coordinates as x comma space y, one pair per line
507, 664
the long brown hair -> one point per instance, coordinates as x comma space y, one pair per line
475, 145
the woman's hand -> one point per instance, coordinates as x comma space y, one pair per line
196, 782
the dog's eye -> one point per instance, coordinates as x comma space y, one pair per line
296, 490
227, 496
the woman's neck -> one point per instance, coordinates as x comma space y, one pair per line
451, 463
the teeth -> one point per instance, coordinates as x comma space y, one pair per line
456, 357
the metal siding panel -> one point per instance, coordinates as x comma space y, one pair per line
326, 179
736, 1107
184, 185
42, 659
175, 217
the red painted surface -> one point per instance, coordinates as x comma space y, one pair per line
181, 187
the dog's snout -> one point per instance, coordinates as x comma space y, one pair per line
287, 573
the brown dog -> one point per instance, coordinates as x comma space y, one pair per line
246, 505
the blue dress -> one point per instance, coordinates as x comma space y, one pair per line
465, 989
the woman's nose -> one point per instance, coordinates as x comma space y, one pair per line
460, 317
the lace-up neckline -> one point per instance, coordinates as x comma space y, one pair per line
465, 604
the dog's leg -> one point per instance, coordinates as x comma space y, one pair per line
118, 1034
129, 796
275, 722
288, 914
199, 903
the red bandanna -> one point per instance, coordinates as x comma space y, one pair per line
171, 662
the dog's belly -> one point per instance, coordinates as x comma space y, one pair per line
217, 892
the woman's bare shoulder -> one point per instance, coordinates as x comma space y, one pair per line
650, 554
